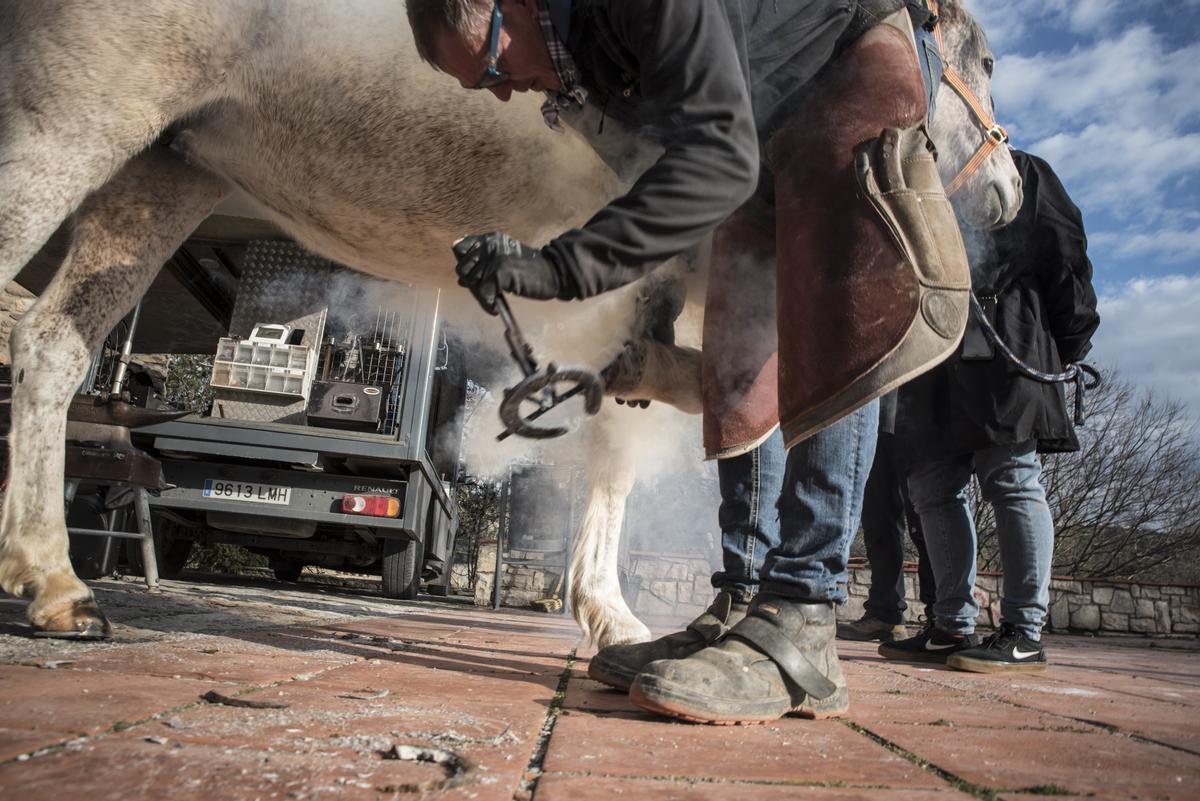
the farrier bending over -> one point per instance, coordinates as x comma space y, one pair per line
770, 113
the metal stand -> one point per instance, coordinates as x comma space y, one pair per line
141, 509
501, 527
501, 536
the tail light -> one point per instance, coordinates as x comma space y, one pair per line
371, 505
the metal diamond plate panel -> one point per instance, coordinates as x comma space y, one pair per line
281, 283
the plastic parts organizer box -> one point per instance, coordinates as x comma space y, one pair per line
253, 365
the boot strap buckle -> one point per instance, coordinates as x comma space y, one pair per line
766, 637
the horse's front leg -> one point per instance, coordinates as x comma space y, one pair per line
596, 599
122, 236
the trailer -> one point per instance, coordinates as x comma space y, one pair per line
334, 431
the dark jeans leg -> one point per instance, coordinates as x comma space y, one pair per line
819, 509
883, 534
939, 493
927, 585
748, 516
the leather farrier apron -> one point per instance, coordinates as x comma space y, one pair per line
859, 282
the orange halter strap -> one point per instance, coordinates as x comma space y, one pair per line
994, 134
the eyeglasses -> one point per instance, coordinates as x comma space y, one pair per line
493, 75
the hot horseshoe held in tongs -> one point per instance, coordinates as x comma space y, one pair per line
540, 387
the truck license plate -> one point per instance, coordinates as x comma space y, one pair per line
246, 491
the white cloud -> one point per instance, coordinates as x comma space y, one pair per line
1127, 172
1128, 81
1112, 103
1008, 22
1088, 16
1004, 23
1150, 329
1174, 246
1115, 115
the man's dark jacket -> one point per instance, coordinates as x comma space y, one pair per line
710, 80
1038, 270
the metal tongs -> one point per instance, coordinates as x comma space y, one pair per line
540, 386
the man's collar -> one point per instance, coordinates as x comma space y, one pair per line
571, 92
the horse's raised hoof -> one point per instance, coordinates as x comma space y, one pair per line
625, 372
81, 620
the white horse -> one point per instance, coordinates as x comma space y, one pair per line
322, 115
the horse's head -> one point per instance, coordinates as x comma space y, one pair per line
976, 167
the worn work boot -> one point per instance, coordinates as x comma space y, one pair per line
779, 660
618, 665
868, 628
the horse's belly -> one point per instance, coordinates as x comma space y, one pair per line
379, 243
382, 164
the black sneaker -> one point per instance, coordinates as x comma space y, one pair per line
1006, 651
868, 627
931, 645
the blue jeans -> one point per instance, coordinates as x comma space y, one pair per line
1008, 477
788, 518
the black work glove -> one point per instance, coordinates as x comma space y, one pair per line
496, 262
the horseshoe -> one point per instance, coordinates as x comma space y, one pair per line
544, 383
538, 386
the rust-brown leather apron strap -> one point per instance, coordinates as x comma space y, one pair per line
739, 368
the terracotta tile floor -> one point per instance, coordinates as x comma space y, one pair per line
378, 699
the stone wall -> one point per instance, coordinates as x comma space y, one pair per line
520, 584
659, 586
1096, 606
665, 585
460, 579
676, 587
860, 584
1112, 607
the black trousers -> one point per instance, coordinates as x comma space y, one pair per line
887, 512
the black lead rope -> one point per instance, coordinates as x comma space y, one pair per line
1077, 373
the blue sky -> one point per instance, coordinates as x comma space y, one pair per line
1108, 92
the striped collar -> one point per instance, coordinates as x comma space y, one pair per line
554, 17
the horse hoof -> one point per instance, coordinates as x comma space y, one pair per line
83, 620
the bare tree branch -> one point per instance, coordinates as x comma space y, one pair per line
1128, 503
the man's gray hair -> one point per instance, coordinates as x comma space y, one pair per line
429, 18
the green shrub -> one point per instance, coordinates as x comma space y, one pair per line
222, 558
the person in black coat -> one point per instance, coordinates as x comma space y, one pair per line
977, 414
